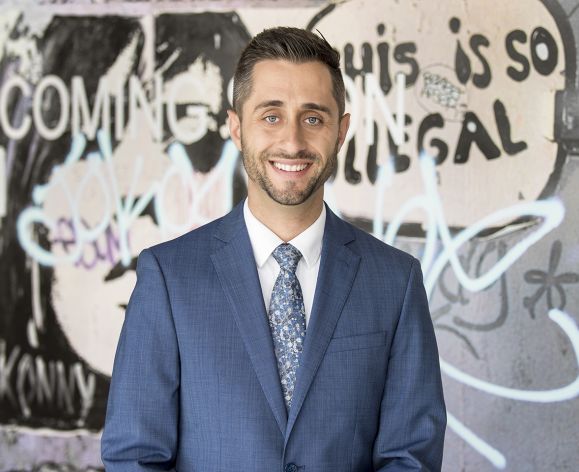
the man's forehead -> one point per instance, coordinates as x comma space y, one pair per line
276, 80
269, 67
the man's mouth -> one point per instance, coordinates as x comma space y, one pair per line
291, 167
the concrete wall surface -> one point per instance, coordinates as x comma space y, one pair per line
463, 150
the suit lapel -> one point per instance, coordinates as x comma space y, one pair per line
338, 267
237, 272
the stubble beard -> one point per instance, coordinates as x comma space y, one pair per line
255, 166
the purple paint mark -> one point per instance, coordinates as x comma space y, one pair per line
94, 252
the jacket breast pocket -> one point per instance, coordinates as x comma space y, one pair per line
358, 341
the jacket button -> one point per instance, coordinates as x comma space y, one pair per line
291, 468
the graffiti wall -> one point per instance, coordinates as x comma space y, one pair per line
462, 151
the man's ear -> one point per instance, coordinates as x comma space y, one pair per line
343, 131
234, 127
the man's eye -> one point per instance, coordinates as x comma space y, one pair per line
313, 120
271, 119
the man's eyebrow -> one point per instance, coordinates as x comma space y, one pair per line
269, 103
305, 106
317, 107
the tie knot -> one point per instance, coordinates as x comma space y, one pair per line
287, 256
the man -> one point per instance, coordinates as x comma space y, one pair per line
242, 352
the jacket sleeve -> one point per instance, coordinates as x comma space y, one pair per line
141, 425
412, 413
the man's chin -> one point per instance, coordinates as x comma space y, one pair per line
290, 198
289, 201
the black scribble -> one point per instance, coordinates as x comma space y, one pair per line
458, 297
460, 336
504, 301
445, 318
549, 283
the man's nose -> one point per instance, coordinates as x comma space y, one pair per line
293, 140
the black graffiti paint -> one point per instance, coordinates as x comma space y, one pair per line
521, 72
401, 161
551, 284
499, 250
517, 47
372, 158
45, 378
31, 384
504, 127
352, 175
456, 300
482, 79
69, 47
213, 38
402, 54
474, 132
366, 57
462, 62
542, 51
471, 66
431, 121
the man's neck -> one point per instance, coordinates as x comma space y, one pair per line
286, 221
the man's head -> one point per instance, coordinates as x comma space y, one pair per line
289, 120
286, 44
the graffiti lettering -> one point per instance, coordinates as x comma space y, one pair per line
543, 51
105, 248
30, 382
462, 61
118, 211
473, 131
82, 119
74, 111
13, 131
433, 264
403, 54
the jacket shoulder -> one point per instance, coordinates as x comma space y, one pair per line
195, 242
371, 248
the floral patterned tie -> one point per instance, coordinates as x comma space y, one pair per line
287, 318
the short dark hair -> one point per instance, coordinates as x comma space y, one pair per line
290, 44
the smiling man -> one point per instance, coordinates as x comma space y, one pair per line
279, 337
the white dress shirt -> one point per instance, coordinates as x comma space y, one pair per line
309, 243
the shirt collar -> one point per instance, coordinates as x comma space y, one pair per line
264, 241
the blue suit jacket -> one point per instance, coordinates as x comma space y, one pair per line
195, 385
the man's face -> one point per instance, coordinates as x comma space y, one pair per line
290, 133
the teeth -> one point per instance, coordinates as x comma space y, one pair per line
290, 168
